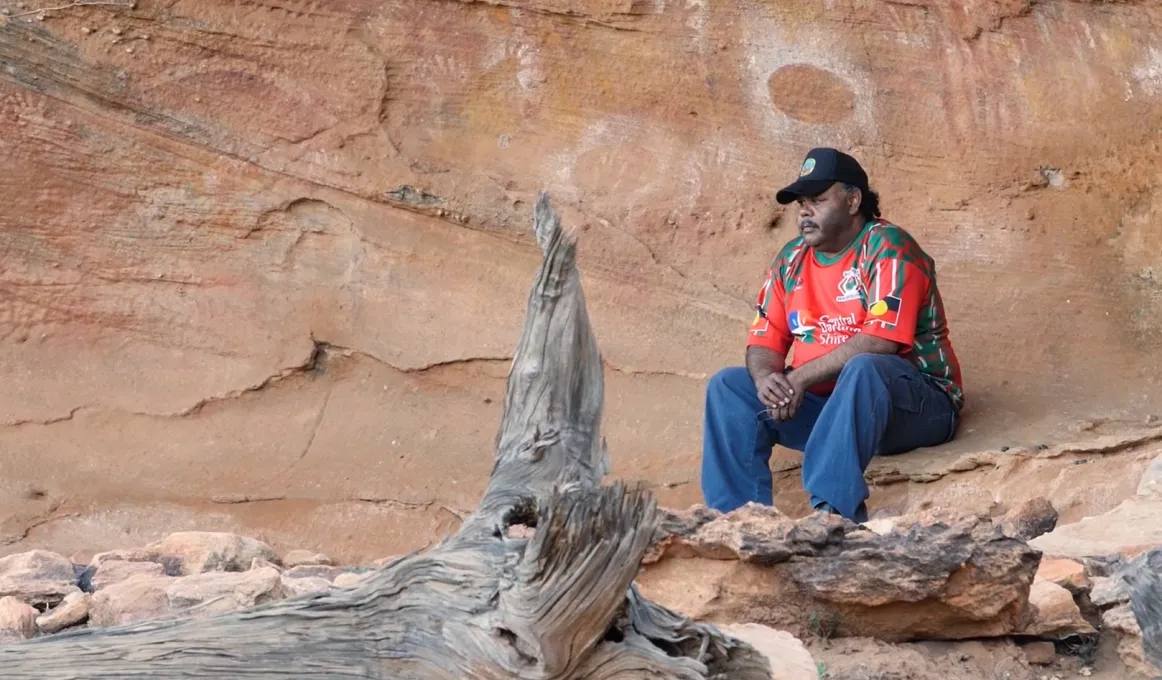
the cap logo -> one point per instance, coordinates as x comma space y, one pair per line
808, 166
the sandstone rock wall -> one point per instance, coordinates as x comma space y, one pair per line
263, 263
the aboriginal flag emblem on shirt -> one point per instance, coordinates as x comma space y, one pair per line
886, 311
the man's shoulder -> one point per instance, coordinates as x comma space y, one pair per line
885, 239
787, 254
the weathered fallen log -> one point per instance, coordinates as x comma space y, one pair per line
488, 602
1146, 602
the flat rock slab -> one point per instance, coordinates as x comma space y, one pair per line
933, 577
1133, 527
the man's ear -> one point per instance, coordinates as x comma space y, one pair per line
853, 200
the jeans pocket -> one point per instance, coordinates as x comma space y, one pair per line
908, 394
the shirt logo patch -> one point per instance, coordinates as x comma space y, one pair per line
850, 288
802, 325
886, 311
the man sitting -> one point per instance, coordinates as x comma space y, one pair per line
854, 298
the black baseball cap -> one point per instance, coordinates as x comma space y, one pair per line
821, 168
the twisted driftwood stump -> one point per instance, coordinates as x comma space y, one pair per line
1146, 602
487, 602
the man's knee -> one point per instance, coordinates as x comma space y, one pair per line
873, 366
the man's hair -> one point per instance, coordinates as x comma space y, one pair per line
869, 202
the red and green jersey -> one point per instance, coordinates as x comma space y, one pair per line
883, 284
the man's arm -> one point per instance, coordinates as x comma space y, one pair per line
768, 342
828, 366
761, 361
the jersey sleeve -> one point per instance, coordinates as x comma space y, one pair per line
897, 289
769, 328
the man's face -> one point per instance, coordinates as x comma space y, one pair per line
825, 220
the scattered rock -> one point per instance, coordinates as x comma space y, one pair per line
223, 592
1108, 591
1068, 574
929, 577
196, 552
17, 620
1053, 613
37, 577
110, 572
142, 597
789, 659
1121, 619
72, 610
1041, 653
314, 571
137, 598
297, 558
1030, 519
300, 586
310, 579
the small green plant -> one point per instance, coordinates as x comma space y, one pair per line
821, 670
821, 627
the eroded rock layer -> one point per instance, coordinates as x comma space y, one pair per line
264, 263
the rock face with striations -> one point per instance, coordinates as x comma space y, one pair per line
237, 234
929, 577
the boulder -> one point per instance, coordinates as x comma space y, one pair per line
1053, 613
137, 598
307, 584
110, 572
1068, 574
37, 577
942, 577
313, 578
72, 610
223, 592
195, 552
1108, 592
17, 620
1030, 519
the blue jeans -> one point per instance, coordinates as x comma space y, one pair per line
881, 404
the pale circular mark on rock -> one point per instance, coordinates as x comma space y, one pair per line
811, 94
